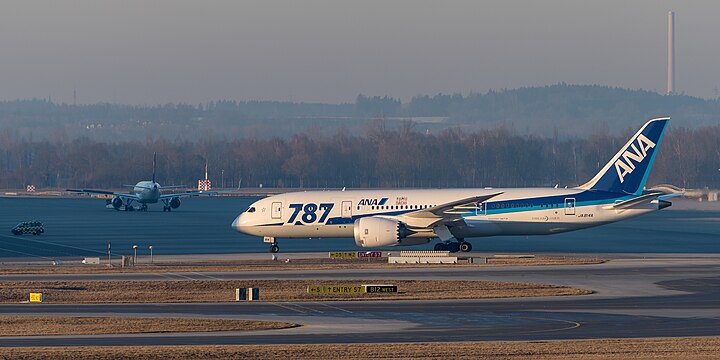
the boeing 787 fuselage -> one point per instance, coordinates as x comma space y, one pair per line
396, 217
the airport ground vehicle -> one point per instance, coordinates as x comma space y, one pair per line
28, 227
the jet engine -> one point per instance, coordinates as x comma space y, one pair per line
380, 232
117, 203
175, 203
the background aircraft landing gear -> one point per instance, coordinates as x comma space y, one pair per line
274, 248
167, 208
144, 207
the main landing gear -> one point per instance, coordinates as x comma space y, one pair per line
274, 248
460, 246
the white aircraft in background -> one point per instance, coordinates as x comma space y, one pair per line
146, 192
396, 217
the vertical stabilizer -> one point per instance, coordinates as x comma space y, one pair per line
154, 165
629, 169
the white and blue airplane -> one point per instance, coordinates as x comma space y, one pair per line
145, 192
397, 217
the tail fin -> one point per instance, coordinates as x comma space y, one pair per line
154, 163
628, 170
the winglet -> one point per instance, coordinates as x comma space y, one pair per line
629, 169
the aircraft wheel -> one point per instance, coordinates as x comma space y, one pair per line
465, 246
274, 248
454, 247
440, 247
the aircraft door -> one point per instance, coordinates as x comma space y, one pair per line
276, 210
569, 206
347, 209
481, 208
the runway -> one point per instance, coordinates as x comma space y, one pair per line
635, 296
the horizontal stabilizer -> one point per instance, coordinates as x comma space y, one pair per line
647, 198
139, 186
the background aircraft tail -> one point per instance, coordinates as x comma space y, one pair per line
154, 165
628, 170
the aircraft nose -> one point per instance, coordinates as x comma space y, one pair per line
236, 222
240, 224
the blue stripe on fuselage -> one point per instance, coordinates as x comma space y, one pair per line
584, 198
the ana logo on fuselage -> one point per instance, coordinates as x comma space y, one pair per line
379, 202
624, 165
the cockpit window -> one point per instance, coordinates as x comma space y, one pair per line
251, 209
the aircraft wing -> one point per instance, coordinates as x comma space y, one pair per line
103, 192
445, 213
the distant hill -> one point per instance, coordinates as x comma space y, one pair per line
563, 110
572, 109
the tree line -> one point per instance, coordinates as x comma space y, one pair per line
569, 110
384, 154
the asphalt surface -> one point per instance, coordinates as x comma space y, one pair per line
77, 227
641, 296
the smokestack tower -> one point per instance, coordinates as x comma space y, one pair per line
671, 54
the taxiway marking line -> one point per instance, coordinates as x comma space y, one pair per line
207, 276
333, 307
165, 276
308, 308
289, 308
574, 324
182, 276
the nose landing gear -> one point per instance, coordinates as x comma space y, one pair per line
274, 248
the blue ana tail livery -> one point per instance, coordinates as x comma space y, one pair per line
396, 217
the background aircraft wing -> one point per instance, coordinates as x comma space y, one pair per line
103, 192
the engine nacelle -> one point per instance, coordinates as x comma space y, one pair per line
175, 203
380, 232
117, 203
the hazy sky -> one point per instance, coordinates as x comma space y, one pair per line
148, 52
